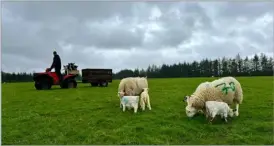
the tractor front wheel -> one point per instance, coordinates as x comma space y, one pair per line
42, 84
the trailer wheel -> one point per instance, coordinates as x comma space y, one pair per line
94, 84
104, 84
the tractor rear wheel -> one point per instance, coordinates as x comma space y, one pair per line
72, 84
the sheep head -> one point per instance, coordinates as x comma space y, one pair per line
193, 105
121, 94
230, 112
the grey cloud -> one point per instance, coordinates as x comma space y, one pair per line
33, 29
104, 37
53, 10
249, 10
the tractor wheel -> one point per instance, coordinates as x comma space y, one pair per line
71, 84
38, 86
43, 84
104, 84
94, 84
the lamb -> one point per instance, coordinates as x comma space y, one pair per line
145, 99
226, 89
132, 86
214, 108
130, 102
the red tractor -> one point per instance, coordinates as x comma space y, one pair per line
45, 80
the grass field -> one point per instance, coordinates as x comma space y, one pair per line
91, 115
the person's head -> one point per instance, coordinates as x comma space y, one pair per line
54, 53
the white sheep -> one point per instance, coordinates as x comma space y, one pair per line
214, 108
145, 99
226, 89
131, 86
130, 102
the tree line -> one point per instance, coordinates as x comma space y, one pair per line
258, 65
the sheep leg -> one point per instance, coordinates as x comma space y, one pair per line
148, 103
142, 103
237, 110
135, 108
213, 116
225, 117
124, 107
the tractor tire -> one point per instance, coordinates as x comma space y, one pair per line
38, 86
94, 84
43, 84
72, 84
104, 84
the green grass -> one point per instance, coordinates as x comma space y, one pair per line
89, 115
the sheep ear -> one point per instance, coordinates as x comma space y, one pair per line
185, 98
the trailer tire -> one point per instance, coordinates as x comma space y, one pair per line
104, 84
94, 84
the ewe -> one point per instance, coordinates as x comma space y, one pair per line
132, 86
226, 89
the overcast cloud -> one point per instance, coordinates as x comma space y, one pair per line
122, 35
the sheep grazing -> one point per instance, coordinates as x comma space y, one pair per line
226, 89
214, 108
130, 102
132, 86
145, 99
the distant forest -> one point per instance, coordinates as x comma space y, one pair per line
259, 65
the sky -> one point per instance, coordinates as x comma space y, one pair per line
121, 35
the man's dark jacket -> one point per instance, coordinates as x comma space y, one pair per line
56, 64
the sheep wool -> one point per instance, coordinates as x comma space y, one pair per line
132, 86
226, 89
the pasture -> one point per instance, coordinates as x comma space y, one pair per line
91, 115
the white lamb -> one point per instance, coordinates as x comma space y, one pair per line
226, 89
130, 102
145, 99
214, 108
131, 86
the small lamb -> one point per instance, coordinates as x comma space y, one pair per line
214, 108
130, 102
145, 99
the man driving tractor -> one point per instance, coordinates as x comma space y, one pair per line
56, 64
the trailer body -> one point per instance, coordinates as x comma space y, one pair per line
97, 77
